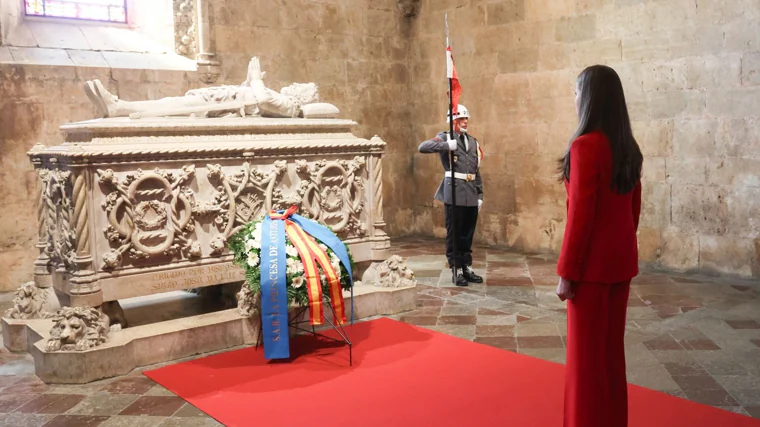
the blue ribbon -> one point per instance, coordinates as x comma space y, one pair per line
274, 294
323, 234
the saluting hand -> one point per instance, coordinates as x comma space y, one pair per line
452, 143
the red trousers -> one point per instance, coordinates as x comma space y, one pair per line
596, 390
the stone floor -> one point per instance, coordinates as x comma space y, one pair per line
692, 337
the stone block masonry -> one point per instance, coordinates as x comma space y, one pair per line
355, 50
691, 72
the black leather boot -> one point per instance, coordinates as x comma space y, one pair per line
470, 276
459, 278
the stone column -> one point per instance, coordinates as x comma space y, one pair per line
380, 240
82, 259
208, 67
46, 220
42, 276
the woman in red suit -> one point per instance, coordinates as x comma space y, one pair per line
601, 171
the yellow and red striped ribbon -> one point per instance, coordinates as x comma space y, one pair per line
311, 254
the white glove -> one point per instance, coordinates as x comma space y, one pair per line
480, 205
452, 144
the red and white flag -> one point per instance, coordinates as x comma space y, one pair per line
451, 72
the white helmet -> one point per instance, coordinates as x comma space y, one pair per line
460, 114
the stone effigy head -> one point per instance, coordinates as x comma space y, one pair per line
304, 92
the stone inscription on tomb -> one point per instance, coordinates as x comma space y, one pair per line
195, 277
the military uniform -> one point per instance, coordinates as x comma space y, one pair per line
469, 197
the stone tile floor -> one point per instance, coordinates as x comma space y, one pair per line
692, 337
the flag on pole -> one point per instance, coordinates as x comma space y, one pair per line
451, 73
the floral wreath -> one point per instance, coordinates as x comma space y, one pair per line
246, 245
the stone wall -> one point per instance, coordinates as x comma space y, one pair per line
691, 72
354, 49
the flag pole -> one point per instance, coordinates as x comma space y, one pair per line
454, 230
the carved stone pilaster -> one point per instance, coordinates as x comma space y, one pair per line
377, 195
208, 67
44, 239
184, 28
82, 261
58, 218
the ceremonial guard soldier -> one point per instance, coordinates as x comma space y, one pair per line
467, 156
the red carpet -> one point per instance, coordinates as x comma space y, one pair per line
402, 376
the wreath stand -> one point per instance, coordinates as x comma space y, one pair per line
292, 323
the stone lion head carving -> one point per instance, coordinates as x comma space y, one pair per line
28, 303
78, 329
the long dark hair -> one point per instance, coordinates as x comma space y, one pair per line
603, 108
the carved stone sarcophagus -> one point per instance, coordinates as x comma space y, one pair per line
136, 207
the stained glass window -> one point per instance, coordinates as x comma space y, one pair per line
91, 10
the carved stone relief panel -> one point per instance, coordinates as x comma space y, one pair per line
331, 192
148, 213
173, 213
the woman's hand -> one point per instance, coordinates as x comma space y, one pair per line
565, 289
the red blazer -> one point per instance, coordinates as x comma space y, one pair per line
600, 236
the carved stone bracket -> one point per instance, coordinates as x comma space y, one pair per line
149, 213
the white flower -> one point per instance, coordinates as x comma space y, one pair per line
251, 244
253, 260
297, 282
294, 266
291, 251
335, 261
256, 233
323, 247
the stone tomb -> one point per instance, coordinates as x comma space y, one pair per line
133, 207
